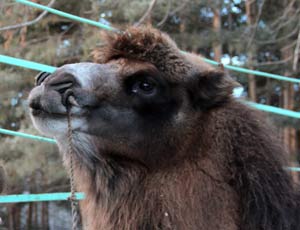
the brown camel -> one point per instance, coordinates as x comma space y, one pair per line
160, 143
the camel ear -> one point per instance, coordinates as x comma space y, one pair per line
211, 88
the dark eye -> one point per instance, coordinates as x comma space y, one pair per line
143, 87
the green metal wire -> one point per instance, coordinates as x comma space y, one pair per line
39, 197
273, 109
254, 72
26, 135
26, 64
106, 27
293, 169
66, 15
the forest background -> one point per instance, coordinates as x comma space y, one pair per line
256, 34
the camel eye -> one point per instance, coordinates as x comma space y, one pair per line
145, 87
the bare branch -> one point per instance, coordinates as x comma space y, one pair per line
252, 1
256, 24
38, 40
293, 32
274, 62
57, 188
179, 8
28, 23
288, 47
5, 5
285, 13
166, 15
296, 53
291, 18
147, 13
67, 30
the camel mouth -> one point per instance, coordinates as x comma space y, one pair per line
45, 113
59, 109
36, 112
37, 109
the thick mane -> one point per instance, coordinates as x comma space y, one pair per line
148, 45
256, 169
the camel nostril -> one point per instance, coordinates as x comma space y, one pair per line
41, 77
35, 104
61, 82
65, 97
62, 87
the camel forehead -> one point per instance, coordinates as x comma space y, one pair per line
86, 72
125, 67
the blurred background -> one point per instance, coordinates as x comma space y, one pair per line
256, 34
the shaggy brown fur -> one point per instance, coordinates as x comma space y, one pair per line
189, 158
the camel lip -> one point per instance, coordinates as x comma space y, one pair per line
36, 112
44, 113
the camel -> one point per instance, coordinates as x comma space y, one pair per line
159, 142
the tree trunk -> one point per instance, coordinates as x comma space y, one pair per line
10, 217
293, 131
217, 25
35, 214
45, 218
29, 217
251, 78
289, 133
182, 28
17, 217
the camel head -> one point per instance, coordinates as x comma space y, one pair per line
139, 98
